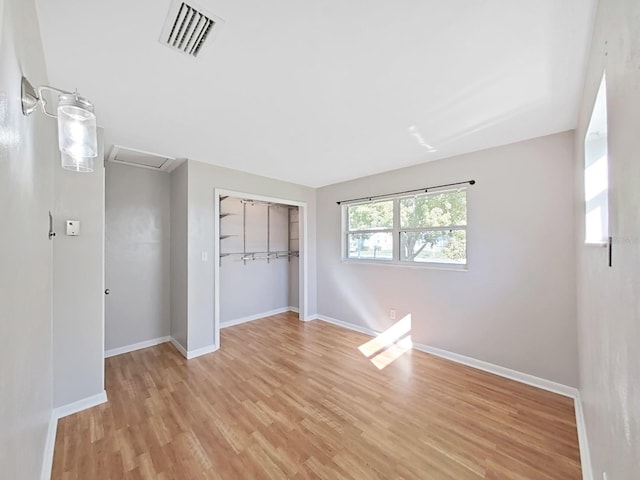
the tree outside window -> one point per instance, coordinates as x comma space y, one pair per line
428, 228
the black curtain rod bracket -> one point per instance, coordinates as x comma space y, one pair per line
406, 192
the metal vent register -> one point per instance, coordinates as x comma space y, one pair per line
187, 28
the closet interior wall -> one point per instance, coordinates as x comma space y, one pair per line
258, 258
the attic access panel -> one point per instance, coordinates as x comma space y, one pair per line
139, 158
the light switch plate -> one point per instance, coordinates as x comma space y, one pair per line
73, 227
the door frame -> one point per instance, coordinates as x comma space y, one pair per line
302, 264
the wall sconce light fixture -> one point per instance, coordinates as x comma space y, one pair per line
77, 137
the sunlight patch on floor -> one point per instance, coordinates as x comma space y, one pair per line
389, 345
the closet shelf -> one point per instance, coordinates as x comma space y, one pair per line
222, 215
222, 237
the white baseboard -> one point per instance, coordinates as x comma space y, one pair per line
58, 413
347, 325
75, 407
585, 454
472, 362
544, 384
294, 309
201, 351
50, 443
135, 346
521, 377
257, 316
189, 354
179, 347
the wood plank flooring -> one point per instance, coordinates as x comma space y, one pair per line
284, 399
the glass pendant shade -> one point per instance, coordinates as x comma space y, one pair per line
77, 164
77, 136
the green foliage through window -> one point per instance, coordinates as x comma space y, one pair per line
371, 216
429, 228
444, 209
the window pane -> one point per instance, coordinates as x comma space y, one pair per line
439, 246
596, 172
377, 246
371, 216
440, 210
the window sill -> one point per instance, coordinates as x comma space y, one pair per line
450, 267
596, 244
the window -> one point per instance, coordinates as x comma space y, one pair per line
430, 228
596, 172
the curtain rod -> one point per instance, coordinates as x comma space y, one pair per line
417, 190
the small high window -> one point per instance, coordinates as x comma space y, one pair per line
596, 172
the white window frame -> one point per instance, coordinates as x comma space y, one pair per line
396, 232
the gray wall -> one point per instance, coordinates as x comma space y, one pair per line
137, 267
78, 285
515, 306
255, 286
178, 249
28, 147
202, 180
608, 300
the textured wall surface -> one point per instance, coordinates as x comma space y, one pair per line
27, 158
202, 180
179, 237
608, 299
78, 285
137, 266
515, 305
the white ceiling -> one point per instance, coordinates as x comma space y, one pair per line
320, 92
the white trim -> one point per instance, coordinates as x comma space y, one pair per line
216, 265
521, 377
49, 445
136, 346
179, 347
448, 267
347, 325
189, 354
583, 441
198, 352
472, 362
303, 267
56, 414
258, 316
294, 309
80, 405
396, 230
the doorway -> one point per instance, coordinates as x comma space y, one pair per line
251, 243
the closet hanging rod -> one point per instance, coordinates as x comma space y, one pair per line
266, 256
406, 192
279, 252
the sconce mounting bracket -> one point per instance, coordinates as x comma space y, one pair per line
30, 97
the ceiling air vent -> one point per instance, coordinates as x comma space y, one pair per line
188, 27
138, 158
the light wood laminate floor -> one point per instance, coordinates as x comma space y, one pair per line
284, 399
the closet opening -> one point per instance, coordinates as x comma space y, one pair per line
260, 261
